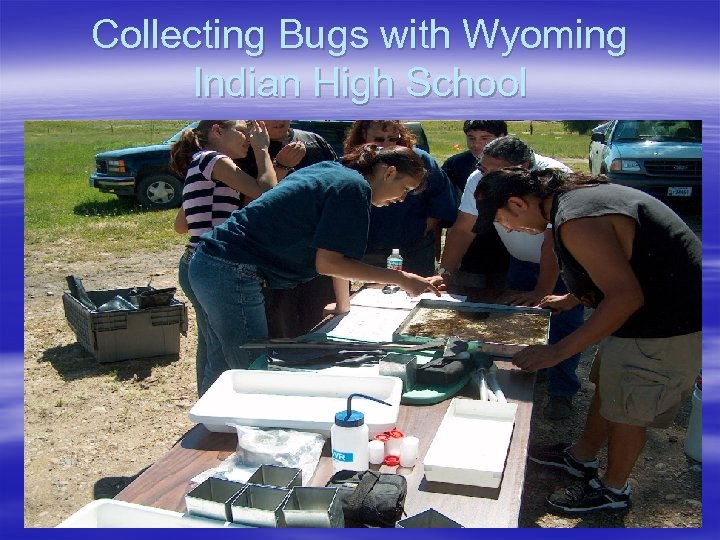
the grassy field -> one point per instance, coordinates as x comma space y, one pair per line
61, 208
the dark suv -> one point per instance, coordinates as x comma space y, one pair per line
144, 172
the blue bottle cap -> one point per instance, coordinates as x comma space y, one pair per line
353, 419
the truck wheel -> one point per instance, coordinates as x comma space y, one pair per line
160, 191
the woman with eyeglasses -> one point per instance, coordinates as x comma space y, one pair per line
412, 225
314, 222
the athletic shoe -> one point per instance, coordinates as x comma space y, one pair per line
590, 497
559, 456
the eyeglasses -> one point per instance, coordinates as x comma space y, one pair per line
381, 140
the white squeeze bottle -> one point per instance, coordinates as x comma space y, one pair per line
394, 262
349, 437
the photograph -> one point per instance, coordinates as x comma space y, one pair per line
337, 321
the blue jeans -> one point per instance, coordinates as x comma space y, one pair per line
201, 352
562, 379
230, 296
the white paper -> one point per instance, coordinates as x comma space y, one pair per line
398, 300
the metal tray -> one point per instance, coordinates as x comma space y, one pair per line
487, 343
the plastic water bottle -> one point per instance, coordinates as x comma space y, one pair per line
394, 262
349, 438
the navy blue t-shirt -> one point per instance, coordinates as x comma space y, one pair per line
323, 206
402, 225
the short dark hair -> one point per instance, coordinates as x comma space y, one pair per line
510, 149
496, 127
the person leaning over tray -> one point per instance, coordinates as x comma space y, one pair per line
631, 258
314, 222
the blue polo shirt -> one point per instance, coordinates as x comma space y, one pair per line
323, 206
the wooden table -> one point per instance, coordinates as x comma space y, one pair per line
165, 483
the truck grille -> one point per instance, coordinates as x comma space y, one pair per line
101, 166
683, 168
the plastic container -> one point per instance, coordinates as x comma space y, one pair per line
112, 336
394, 262
293, 400
349, 438
693, 437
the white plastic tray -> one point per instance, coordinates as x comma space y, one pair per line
295, 400
108, 513
471, 444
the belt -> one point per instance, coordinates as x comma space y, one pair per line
188, 254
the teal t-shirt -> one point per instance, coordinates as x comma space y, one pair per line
323, 206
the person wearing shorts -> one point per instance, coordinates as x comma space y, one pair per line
631, 259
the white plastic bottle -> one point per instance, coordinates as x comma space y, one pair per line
394, 262
349, 437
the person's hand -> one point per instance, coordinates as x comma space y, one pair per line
291, 154
259, 138
414, 285
558, 303
439, 283
334, 309
536, 357
525, 298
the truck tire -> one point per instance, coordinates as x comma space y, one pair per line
159, 191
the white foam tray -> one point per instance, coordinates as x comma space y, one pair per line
471, 444
108, 513
295, 400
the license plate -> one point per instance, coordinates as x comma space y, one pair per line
679, 192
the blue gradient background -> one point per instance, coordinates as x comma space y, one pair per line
52, 70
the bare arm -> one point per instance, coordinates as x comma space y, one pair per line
603, 246
341, 287
457, 241
332, 263
181, 224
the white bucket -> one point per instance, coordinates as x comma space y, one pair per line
693, 438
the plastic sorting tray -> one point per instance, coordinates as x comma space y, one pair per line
470, 446
294, 400
108, 513
486, 343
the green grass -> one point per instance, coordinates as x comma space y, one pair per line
61, 209
549, 139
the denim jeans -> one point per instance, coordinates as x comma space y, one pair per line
230, 296
562, 378
201, 352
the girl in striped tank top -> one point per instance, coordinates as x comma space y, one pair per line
213, 188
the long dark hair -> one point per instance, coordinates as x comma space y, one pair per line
495, 188
191, 141
364, 158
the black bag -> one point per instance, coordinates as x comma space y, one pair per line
370, 498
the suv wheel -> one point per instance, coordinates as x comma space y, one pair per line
160, 191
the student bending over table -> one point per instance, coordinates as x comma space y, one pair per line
314, 222
632, 259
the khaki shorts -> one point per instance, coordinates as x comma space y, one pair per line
644, 382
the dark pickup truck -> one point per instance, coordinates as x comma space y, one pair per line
144, 173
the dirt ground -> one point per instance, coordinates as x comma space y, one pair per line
91, 428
